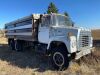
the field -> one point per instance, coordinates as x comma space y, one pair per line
96, 37
96, 34
31, 63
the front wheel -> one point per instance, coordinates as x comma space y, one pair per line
60, 59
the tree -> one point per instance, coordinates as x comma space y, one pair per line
66, 14
52, 8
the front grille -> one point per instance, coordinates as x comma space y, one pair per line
84, 39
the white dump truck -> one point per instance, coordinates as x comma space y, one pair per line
52, 34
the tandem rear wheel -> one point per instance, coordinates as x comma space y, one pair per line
11, 44
16, 45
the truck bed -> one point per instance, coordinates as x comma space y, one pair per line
25, 28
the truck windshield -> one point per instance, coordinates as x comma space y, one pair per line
63, 21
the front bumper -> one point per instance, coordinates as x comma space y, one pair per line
83, 52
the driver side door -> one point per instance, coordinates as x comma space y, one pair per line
43, 33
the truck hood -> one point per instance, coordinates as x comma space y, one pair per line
61, 31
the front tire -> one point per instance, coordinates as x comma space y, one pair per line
60, 59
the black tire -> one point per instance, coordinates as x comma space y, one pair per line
18, 45
62, 54
11, 44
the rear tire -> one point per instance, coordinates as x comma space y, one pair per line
60, 59
18, 45
11, 44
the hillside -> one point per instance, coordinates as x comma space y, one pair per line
1, 33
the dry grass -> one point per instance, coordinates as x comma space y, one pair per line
30, 63
96, 34
3, 40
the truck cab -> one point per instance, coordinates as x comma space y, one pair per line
52, 21
57, 27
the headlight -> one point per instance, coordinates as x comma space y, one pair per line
73, 43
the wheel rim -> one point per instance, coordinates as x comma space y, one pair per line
58, 59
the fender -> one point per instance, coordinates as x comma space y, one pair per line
63, 40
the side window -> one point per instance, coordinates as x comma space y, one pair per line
45, 21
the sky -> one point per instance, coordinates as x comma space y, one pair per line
84, 13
